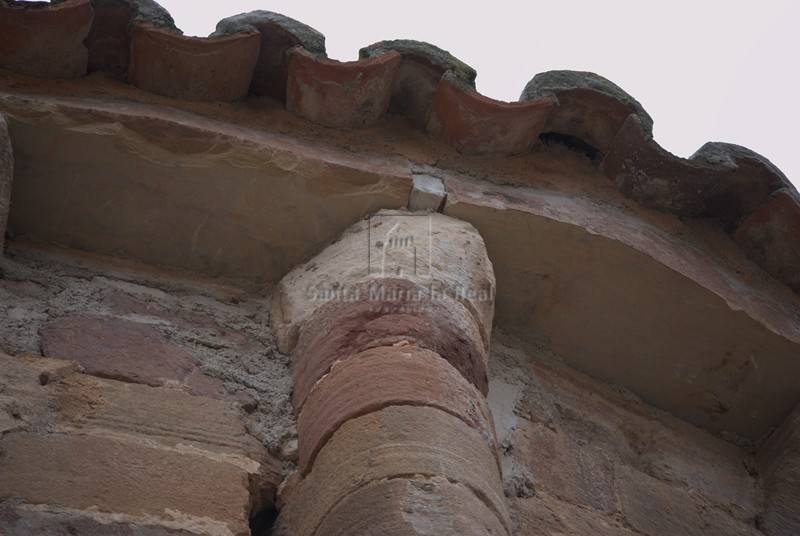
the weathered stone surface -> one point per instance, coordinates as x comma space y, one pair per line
747, 188
206, 426
421, 68
574, 473
45, 40
576, 439
340, 94
106, 434
168, 416
242, 203
783, 443
124, 303
118, 349
657, 509
6, 177
42, 393
24, 405
278, 35
395, 442
590, 108
779, 466
115, 475
644, 171
407, 507
542, 514
771, 237
387, 315
29, 520
781, 516
383, 377
708, 465
631, 303
195, 68
475, 124
441, 253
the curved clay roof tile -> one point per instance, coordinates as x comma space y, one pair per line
109, 40
752, 183
421, 68
196, 68
45, 39
644, 171
351, 94
268, 54
279, 34
475, 124
590, 108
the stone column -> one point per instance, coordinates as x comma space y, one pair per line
6, 176
389, 330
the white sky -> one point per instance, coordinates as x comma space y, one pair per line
705, 70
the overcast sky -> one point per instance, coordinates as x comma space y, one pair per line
704, 70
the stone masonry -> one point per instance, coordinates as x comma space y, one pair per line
247, 289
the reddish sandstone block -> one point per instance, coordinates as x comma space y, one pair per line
383, 377
771, 237
340, 94
578, 474
115, 348
544, 515
393, 443
704, 463
198, 68
117, 475
340, 329
657, 509
475, 124
45, 39
404, 507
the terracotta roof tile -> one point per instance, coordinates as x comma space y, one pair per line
211, 69
341, 94
590, 108
109, 40
475, 124
279, 34
45, 39
644, 171
749, 186
770, 237
421, 68
265, 53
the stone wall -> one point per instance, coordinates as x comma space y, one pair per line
583, 457
140, 400
160, 404
157, 401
